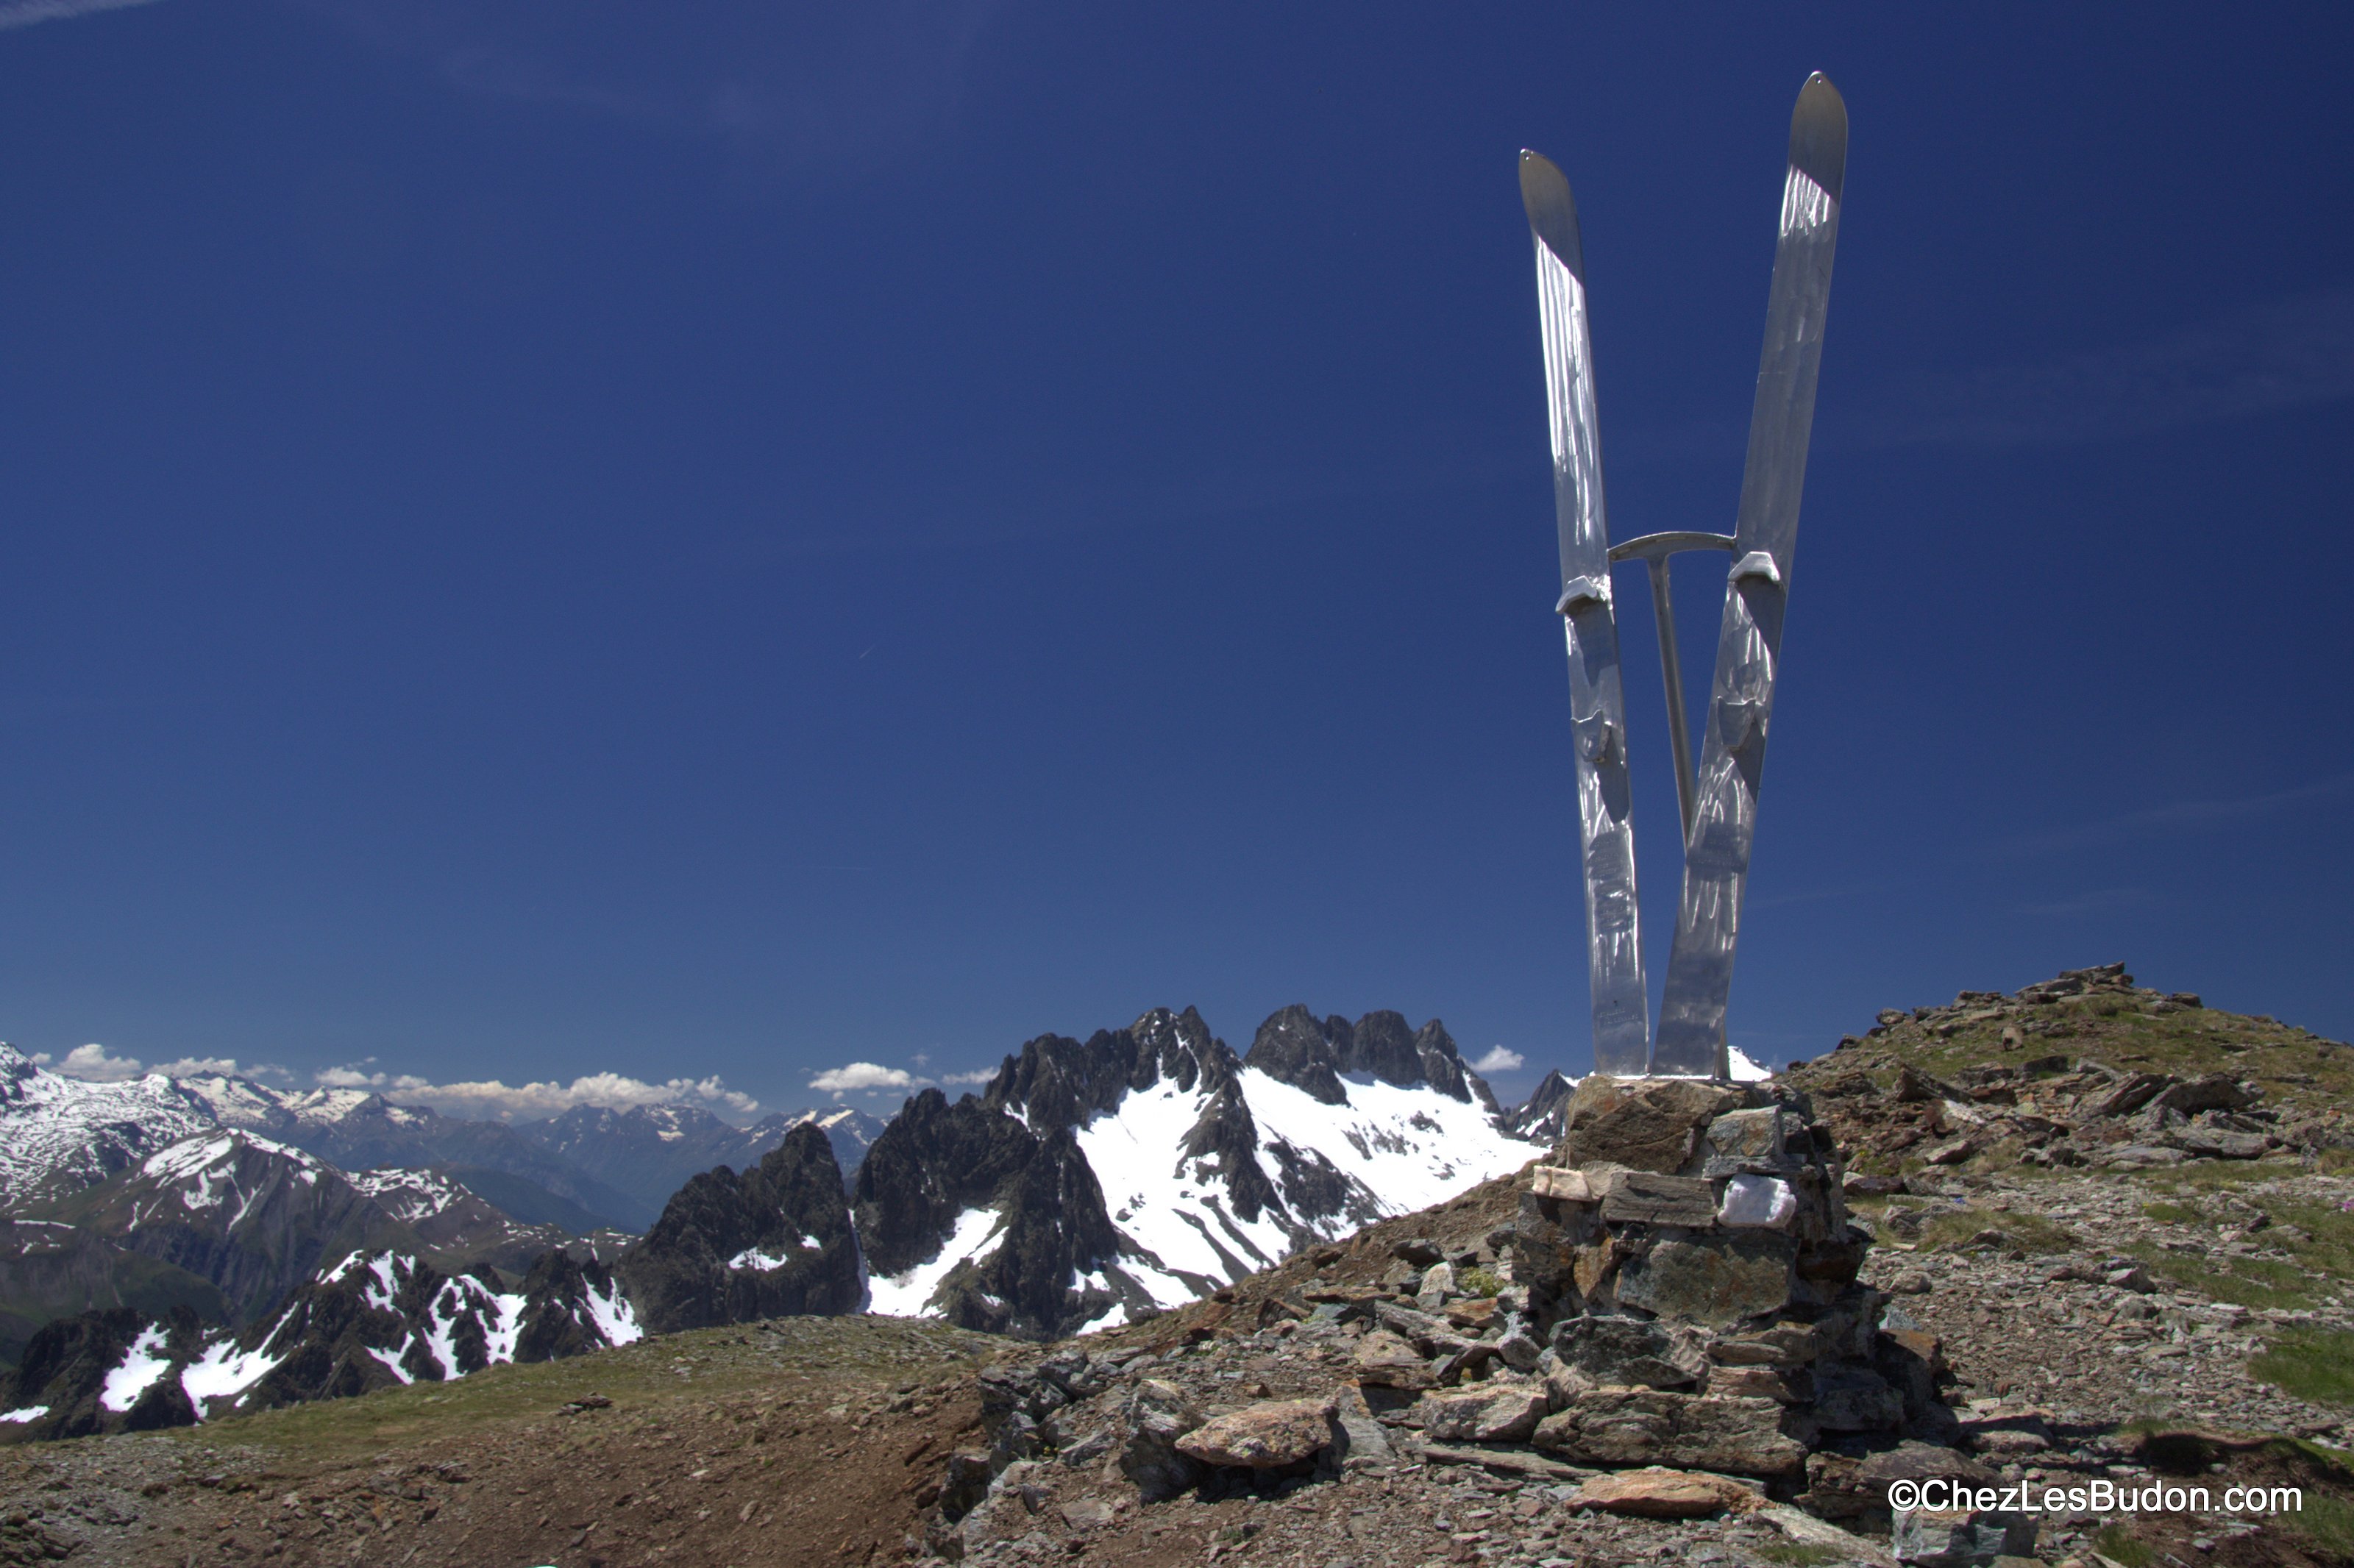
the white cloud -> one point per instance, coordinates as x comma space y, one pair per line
1499, 1060
94, 1062
220, 1067
27, 13
861, 1076
489, 1098
980, 1076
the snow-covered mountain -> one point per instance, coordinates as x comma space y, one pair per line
1092, 1182
368, 1321
59, 1133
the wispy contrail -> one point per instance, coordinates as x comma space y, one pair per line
26, 13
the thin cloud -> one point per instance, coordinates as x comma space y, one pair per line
31, 13
1500, 1060
809, 87
2282, 353
2180, 815
979, 1076
2094, 901
490, 1099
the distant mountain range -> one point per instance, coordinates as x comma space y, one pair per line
171, 1248
589, 1169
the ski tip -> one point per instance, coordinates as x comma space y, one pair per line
1818, 133
1552, 211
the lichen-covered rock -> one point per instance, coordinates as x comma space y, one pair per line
1657, 1492
1620, 1426
1270, 1435
1643, 1124
1495, 1412
1619, 1351
1716, 1280
1933, 1539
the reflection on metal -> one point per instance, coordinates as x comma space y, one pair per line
1718, 800
1597, 698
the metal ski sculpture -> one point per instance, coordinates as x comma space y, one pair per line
1718, 805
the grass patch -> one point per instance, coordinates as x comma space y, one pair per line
2028, 1233
2172, 1213
2252, 1282
1793, 1555
797, 1357
2325, 1520
2309, 1363
2117, 1542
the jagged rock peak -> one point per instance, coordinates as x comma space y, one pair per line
1058, 1082
772, 1243
1294, 1047
1540, 1116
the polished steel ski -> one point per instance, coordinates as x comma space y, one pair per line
1597, 699
1741, 704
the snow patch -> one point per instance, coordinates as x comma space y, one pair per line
140, 1369
611, 1313
224, 1372
910, 1294
30, 1413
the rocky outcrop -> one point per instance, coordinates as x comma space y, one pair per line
2001, 1096
774, 1241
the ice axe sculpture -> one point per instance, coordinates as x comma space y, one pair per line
1719, 802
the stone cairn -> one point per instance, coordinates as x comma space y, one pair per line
1687, 1264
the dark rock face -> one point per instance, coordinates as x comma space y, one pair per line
1542, 1118
1055, 1230
937, 1161
374, 1320
774, 1241
932, 1163
1292, 1047
68, 1362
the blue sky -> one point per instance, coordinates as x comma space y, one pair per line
722, 544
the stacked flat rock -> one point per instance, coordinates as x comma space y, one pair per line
1687, 1262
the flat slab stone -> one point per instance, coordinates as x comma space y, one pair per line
1486, 1413
1644, 1197
1715, 1280
1269, 1435
1645, 1124
1657, 1492
1620, 1426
